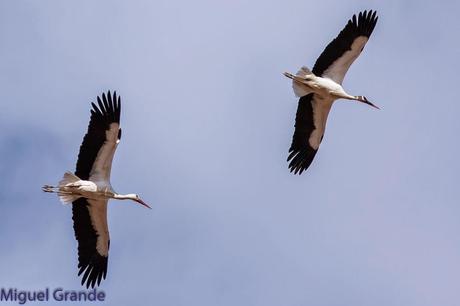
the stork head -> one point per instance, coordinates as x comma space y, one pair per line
137, 198
364, 100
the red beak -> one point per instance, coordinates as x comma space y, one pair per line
143, 203
370, 104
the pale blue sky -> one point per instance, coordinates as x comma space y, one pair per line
207, 122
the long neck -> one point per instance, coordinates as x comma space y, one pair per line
129, 196
345, 95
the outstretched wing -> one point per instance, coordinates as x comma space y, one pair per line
310, 124
99, 144
92, 233
338, 56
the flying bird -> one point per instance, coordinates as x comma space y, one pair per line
321, 86
89, 189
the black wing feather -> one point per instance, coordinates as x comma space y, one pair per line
93, 264
101, 118
356, 27
90, 262
301, 153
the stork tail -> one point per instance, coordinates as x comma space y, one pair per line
300, 89
304, 71
68, 178
65, 196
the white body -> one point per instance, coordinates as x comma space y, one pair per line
305, 82
325, 91
71, 188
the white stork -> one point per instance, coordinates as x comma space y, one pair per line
319, 88
89, 189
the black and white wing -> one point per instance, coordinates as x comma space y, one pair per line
94, 163
338, 56
101, 140
92, 233
310, 124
